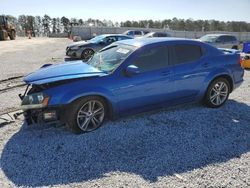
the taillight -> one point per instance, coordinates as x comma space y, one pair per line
241, 59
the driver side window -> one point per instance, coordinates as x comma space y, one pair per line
152, 59
110, 40
219, 40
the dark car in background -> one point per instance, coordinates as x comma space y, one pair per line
135, 33
85, 49
156, 34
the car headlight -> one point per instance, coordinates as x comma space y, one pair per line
35, 100
75, 48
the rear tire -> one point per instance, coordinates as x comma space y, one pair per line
12, 35
3, 35
217, 93
86, 114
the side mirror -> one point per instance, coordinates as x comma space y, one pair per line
132, 70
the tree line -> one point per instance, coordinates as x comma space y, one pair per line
44, 25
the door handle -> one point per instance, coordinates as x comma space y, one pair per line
205, 65
166, 73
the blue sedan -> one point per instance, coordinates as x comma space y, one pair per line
129, 77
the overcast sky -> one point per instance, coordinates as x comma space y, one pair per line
115, 10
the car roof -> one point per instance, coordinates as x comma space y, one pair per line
147, 41
217, 35
137, 30
158, 32
109, 35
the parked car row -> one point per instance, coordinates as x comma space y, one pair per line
85, 49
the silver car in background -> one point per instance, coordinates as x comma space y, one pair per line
221, 41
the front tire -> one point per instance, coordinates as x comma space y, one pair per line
86, 114
87, 54
217, 93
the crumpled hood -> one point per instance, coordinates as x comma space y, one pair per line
63, 71
80, 43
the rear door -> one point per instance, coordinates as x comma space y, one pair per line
190, 70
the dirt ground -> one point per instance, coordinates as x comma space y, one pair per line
185, 146
21, 56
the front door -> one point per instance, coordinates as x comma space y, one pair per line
151, 87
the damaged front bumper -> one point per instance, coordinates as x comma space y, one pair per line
43, 115
36, 110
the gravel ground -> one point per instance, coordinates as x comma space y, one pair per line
184, 146
21, 56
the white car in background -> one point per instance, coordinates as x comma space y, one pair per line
221, 41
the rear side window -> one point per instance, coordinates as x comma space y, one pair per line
122, 38
227, 38
186, 53
152, 59
137, 32
110, 39
231, 39
162, 35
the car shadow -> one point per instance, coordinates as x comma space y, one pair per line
151, 145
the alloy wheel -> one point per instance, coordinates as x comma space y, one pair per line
91, 115
87, 54
219, 93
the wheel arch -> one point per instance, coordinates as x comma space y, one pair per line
108, 103
227, 77
87, 48
211, 77
81, 51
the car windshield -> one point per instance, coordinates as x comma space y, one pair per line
208, 38
111, 57
97, 39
